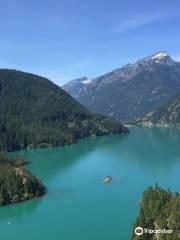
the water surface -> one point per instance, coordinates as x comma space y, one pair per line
78, 205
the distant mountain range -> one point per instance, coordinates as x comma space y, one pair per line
34, 112
129, 92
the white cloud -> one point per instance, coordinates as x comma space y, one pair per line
141, 20
132, 23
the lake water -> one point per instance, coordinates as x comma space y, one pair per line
78, 206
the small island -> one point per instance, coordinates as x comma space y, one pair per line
16, 183
107, 179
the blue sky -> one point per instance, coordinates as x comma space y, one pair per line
66, 39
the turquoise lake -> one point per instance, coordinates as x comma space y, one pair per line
78, 206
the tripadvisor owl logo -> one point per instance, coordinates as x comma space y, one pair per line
139, 231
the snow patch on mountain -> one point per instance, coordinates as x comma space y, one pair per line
87, 81
160, 55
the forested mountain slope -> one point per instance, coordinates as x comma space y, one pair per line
159, 209
167, 114
36, 112
16, 183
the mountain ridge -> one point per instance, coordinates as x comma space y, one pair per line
129, 92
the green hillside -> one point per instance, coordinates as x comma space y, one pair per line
16, 183
35, 112
159, 209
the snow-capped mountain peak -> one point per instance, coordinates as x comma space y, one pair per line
160, 55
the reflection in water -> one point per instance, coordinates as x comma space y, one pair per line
16, 213
64, 157
152, 147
